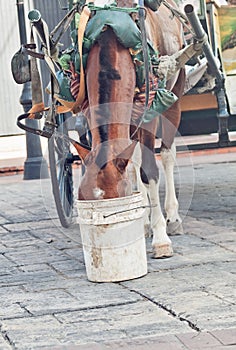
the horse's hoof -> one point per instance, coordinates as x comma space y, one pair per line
162, 251
174, 228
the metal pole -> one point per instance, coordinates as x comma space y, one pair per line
202, 36
35, 166
222, 115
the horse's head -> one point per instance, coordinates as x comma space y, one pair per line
105, 175
110, 83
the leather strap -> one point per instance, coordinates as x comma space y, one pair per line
37, 98
84, 17
46, 132
36, 85
28, 49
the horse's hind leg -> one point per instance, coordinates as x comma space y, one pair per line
150, 177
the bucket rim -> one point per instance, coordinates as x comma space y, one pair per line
96, 201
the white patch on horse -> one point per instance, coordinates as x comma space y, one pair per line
161, 243
103, 2
168, 157
98, 193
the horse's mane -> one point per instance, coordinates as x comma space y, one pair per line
106, 75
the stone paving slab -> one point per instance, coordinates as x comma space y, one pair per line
185, 302
116, 322
186, 341
226, 337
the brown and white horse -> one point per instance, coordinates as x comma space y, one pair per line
110, 79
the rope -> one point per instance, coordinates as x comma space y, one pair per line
146, 62
113, 8
179, 15
64, 23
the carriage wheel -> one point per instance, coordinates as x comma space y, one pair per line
60, 161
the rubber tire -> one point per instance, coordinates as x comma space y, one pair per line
61, 175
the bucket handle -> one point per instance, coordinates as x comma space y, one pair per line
124, 211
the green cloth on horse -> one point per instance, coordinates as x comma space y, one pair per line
122, 24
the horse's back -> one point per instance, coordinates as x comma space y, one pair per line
164, 30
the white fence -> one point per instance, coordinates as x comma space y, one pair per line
10, 92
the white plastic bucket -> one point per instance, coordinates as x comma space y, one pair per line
112, 232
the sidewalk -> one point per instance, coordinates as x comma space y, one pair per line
13, 152
185, 302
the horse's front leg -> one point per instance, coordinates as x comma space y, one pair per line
170, 124
161, 243
149, 173
173, 220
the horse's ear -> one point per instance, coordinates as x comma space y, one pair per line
82, 151
123, 158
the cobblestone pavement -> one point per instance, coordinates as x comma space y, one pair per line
185, 302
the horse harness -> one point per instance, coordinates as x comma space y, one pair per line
50, 55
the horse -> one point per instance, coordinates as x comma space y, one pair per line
111, 82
